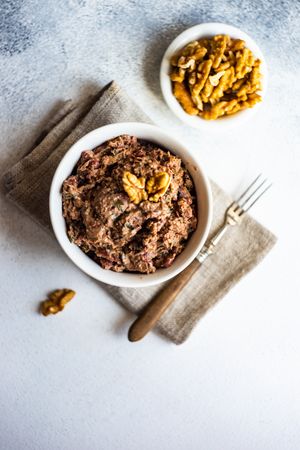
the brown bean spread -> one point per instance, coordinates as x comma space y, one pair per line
137, 230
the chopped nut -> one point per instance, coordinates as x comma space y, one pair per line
204, 43
255, 75
243, 90
198, 102
134, 187
206, 91
189, 48
194, 50
225, 83
219, 46
237, 84
219, 109
186, 63
202, 75
178, 75
243, 63
215, 79
192, 78
158, 185
223, 66
231, 57
56, 301
174, 60
237, 44
184, 98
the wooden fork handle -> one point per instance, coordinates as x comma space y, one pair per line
148, 318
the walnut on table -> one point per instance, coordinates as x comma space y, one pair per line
56, 301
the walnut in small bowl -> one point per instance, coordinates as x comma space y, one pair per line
213, 71
216, 77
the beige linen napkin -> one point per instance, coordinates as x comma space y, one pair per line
27, 184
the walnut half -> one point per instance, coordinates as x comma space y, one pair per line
56, 301
158, 185
135, 187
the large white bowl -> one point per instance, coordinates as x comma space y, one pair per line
195, 33
158, 136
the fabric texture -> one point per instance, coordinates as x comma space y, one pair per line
27, 184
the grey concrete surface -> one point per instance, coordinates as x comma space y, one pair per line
73, 381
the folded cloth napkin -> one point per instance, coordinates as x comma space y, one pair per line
27, 184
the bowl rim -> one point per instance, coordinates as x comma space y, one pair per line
193, 33
63, 170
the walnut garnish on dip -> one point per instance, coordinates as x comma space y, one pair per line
158, 186
56, 301
135, 187
137, 191
216, 77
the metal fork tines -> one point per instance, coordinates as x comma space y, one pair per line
256, 189
236, 211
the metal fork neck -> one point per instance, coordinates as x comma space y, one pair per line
210, 248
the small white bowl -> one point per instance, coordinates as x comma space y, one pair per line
195, 33
160, 137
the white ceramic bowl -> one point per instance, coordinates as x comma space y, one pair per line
192, 34
153, 134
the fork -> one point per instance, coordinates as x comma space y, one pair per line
233, 216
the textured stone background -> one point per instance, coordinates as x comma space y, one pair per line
73, 381
51, 50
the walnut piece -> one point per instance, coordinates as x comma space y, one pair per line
158, 185
219, 44
56, 301
215, 77
134, 187
184, 97
202, 75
